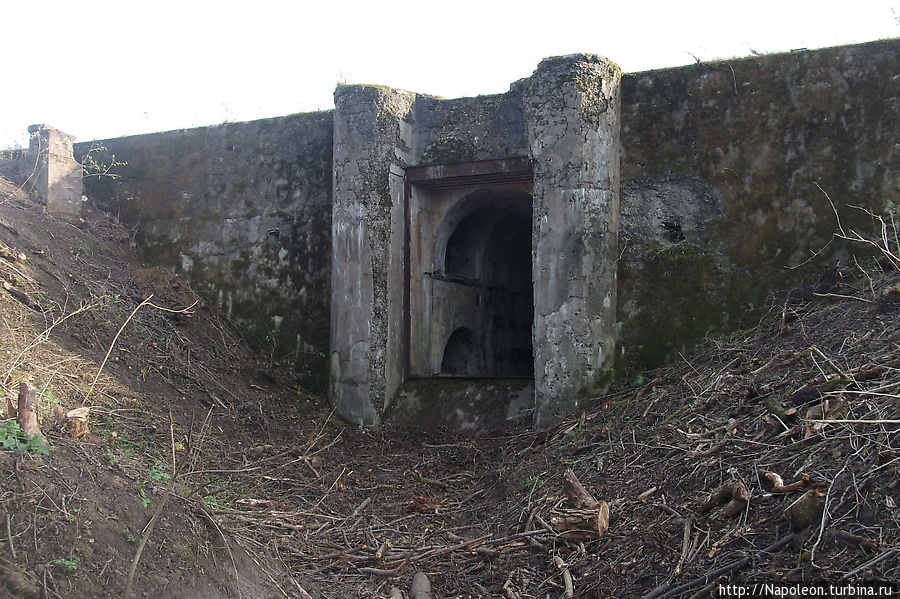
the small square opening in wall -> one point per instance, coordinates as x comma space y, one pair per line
471, 299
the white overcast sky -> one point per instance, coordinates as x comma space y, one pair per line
109, 68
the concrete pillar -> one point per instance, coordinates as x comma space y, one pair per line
367, 251
572, 109
58, 176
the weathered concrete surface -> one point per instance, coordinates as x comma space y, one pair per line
366, 296
468, 129
466, 405
454, 248
49, 169
244, 211
720, 166
572, 109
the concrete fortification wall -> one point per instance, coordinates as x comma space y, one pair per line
244, 211
658, 206
722, 165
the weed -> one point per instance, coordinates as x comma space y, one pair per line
15, 439
47, 394
67, 565
574, 435
142, 494
129, 536
96, 163
535, 482
211, 500
157, 472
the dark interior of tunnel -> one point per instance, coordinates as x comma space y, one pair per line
491, 249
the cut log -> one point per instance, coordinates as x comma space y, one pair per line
23, 297
585, 517
581, 524
78, 422
806, 511
720, 496
28, 421
855, 541
740, 497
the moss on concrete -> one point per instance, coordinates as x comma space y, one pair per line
673, 296
770, 135
244, 211
449, 151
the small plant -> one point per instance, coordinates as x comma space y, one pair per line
94, 167
67, 565
535, 482
574, 435
211, 500
157, 472
13, 438
129, 536
142, 494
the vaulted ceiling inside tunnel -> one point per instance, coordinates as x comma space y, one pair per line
490, 249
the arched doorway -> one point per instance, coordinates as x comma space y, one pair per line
484, 246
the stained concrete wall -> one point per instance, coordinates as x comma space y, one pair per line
722, 165
379, 133
468, 129
244, 211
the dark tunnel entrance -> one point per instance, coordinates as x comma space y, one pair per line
489, 251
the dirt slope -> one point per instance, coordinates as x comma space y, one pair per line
75, 517
272, 497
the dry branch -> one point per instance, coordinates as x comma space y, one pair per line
22, 297
851, 540
778, 485
566, 576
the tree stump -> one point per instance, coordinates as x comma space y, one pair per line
28, 421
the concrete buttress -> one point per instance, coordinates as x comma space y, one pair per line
572, 108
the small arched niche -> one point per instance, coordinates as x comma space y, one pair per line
461, 354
